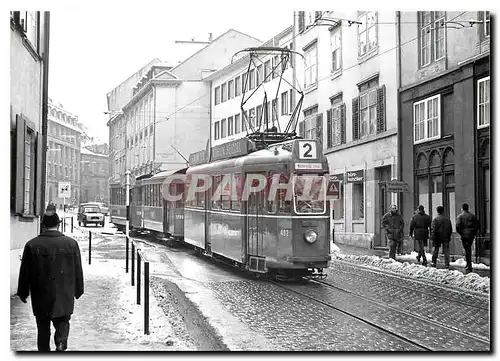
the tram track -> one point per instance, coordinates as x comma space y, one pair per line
411, 338
375, 276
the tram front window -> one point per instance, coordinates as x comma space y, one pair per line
309, 193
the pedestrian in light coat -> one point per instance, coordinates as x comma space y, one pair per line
51, 271
419, 229
441, 236
467, 226
394, 224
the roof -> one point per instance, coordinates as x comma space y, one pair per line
89, 152
213, 41
166, 173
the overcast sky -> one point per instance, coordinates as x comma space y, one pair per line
92, 52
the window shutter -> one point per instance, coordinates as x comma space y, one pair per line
355, 118
329, 129
480, 27
39, 173
292, 100
20, 134
301, 129
381, 126
342, 123
302, 19
319, 128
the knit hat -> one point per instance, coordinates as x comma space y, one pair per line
50, 217
420, 207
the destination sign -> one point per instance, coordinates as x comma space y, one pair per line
356, 176
308, 166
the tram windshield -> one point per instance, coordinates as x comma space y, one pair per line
309, 194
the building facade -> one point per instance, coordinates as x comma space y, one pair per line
349, 77
94, 174
63, 154
445, 113
29, 60
270, 105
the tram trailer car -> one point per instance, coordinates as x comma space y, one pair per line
151, 213
117, 208
279, 238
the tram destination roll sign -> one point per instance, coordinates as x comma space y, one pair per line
357, 176
232, 149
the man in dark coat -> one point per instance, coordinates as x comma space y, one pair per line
441, 230
467, 226
394, 224
419, 229
51, 270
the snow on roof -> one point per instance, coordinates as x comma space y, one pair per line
89, 152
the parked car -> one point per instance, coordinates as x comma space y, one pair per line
90, 213
102, 206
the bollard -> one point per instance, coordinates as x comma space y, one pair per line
132, 265
71, 224
138, 278
90, 247
146, 298
126, 254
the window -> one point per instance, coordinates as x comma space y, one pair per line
259, 75
427, 119
276, 60
251, 80
484, 26
223, 128
223, 92
358, 201
259, 115
311, 68
267, 70
432, 36
335, 42
237, 181
483, 102
307, 18
237, 86
274, 110
251, 118
230, 128
292, 101
216, 130
237, 124
217, 95
29, 171
230, 89
284, 103
367, 33
336, 122
244, 82
216, 202
309, 123
244, 120
368, 112
338, 204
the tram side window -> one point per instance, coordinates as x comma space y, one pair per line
237, 182
179, 202
216, 203
279, 204
225, 194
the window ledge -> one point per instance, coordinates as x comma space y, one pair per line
26, 217
367, 56
311, 88
483, 126
335, 74
371, 138
358, 221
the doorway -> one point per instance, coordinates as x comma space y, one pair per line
383, 202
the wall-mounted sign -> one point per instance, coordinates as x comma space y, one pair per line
232, 149
357, 176
396, 186
337, 177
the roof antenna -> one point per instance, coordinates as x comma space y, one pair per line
187, 162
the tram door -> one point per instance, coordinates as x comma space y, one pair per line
255, 229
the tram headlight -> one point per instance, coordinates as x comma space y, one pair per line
310, 236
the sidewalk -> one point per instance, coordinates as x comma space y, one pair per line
411, 258
106, 317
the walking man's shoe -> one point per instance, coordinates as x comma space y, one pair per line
60, 347
433, 264
418, 259
424, 264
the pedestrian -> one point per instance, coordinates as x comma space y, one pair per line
51, 270
419, 230
441, 235
467, 227
394, 225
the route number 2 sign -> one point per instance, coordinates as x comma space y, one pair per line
307, 149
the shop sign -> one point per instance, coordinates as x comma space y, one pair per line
357, 176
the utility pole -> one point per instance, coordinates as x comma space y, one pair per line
127, 202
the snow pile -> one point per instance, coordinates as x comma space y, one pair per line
471, 281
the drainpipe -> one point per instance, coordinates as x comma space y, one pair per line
154, 123
400, 136
45, 99
209, 150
